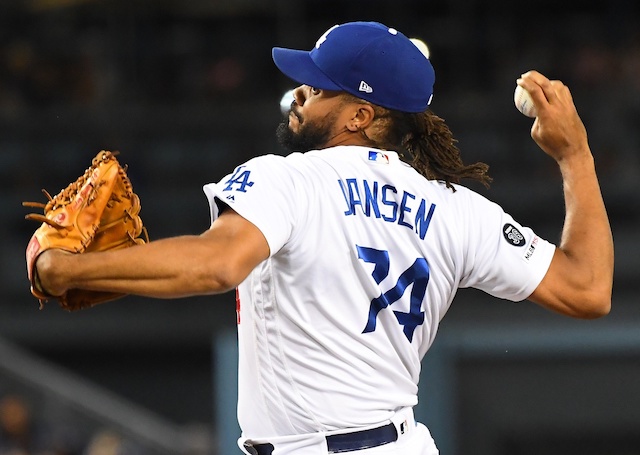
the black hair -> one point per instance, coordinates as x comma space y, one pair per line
425, 142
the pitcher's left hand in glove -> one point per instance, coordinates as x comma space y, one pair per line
97, 212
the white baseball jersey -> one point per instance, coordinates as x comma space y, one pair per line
366, 256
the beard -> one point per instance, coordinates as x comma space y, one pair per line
312, 134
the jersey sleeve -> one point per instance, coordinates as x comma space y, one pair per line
503, 257
262, 191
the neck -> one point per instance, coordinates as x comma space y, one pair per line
347, 137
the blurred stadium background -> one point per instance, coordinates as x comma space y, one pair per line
186, 90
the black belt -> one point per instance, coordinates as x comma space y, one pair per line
346, 442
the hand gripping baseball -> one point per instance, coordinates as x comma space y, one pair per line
97, 212
558, 129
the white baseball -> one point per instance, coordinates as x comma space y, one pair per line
524, 103
421, 45
285, 102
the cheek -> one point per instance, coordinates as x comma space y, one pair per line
295, 112
294, 122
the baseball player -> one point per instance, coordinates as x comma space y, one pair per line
348, 252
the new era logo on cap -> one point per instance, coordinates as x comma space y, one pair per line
364, 87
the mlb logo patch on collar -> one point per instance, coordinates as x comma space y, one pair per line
378, 157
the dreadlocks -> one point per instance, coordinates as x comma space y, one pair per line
426, 143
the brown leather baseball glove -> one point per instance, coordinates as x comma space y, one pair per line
97, 212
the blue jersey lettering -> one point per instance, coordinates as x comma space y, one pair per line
422, 221
416, 277
371, 199
381, 202
353, 197
389, 202
241, 178
404, 208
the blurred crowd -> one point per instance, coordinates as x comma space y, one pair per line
88, 61
25, 432
26, 429
93, 56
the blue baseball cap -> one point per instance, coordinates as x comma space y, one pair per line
366, 59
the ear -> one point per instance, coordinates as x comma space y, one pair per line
362, 117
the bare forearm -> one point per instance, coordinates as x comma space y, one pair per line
213, 262
580, 279
586, 237
167, 268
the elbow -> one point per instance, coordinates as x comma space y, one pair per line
212, 285
591, 299
575, 292
593, 307
215, 281
222, 284
594, 313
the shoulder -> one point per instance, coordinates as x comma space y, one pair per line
458, 193
464, 205
266, 161
282, 162
270, 167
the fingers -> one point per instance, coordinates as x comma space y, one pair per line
548, 95
558, 129
562, 91
543, 91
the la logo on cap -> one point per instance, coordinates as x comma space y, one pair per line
323, 38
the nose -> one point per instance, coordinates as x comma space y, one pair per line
298, 95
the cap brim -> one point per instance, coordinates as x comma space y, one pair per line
299, 66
